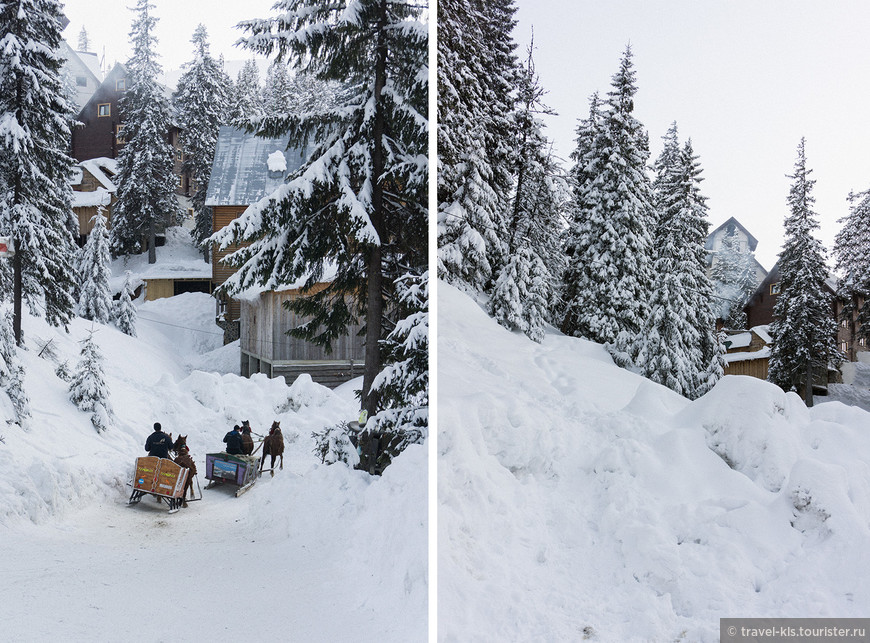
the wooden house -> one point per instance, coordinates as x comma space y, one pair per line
102, 131
83, 69
93, 188
748, 352
247, 169
747, 242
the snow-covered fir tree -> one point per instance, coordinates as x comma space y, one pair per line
359, 201
852, 254
609, 246
146, 182
88, 390
34, 167
403, 384
523, 293
202, 105
278, 92
125, 311
95, 298
84, 41
733, 278
803, 330
12, 370
477, 71
670, 347
246, 100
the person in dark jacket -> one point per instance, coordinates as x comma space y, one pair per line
234, 441
247, 440
158, 443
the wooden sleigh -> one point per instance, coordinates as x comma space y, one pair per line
160, 477
239, 470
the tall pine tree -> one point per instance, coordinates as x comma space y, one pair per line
523, 291
852, 254
246, 102
203, 106
359, 201
477, 71
12, 370
803, 330
146, 182
95, 300
609, 245
125, 311
34, 167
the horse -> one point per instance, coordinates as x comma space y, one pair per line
273, 445
180, 442
183, 459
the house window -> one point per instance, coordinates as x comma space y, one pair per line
181, 181
844, 347
190, 212
862, 342
104, 109
81, 81
119, 135
179, 155
121, 85
774, 288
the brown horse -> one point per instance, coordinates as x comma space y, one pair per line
183, 459
180, 442
273, 445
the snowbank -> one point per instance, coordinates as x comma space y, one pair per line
579, 501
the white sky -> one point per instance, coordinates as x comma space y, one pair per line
108, 25
743, 79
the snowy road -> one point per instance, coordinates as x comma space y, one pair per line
213, 571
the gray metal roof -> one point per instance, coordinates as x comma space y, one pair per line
240, 173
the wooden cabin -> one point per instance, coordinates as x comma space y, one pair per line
242, 175
101, 131
93, 188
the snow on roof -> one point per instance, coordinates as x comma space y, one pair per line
100, 168
252, 293
178, 259
741, 340
242, 172
744, 356
92, 199
763, 332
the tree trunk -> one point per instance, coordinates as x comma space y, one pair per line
17, 295
808, 394
374, 269
152, 243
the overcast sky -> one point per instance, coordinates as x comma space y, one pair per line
744, 79
108, 25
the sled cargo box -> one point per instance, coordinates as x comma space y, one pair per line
239, 470
159, 476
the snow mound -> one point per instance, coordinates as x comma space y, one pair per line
579, 501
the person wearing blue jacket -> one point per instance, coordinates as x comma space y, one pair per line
234, 441
158, 443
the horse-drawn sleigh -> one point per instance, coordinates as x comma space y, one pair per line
163, 478
243, 470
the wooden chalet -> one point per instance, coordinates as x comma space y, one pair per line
93, 188
745, 238
748, 352
83, 67
102, 131
241, 176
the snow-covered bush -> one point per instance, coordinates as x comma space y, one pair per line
125, 312
12, 371
333, 444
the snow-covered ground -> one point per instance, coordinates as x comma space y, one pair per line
578, 501
315, 553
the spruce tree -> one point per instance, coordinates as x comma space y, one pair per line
477, 72
125, 311
523, 291
246, 102
146, 182
95, 298
203, 106
277, 93
609, 244
88, 390
677, 344
358, 203
34, 167
852, 254
403, 384
803, 330
12, 370
84, 41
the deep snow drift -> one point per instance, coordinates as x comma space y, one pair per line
315, 553
580, 501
